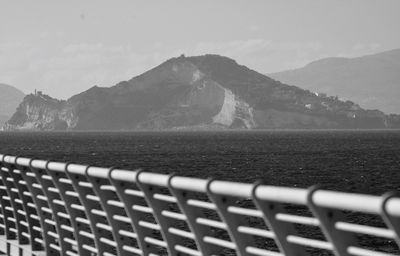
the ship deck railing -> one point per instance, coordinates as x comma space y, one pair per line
55, 208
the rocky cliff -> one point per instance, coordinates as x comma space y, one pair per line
41, 112
204, 92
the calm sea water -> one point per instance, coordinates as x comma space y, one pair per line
358, 161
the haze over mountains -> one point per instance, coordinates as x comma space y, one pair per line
10, 98
372, 81
202, 92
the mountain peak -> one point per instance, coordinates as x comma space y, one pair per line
212, 58
197, 92
200, 60
334, 61
372, 80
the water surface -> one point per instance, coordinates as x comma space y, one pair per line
362, 161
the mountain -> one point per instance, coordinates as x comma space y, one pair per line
373, 81
10, 98
203, 92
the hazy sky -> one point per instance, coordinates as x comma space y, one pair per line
65, 47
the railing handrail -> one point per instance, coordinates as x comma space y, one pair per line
78, 209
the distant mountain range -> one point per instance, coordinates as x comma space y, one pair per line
372, 81
194, 93
10, 98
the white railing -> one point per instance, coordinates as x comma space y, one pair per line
53, 208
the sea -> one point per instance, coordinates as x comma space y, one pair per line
366, 161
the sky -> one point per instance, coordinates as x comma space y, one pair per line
65, 47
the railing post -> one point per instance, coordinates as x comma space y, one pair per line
67, 194
30, 179
125, 181
6, 214
84, 189
26, 199
56, 206
99, 177
232, 221
15, 201
192, 213
340, 240
5, 205
393, 222
157, 207
281, 229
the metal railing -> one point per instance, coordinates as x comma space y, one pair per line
54, 208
